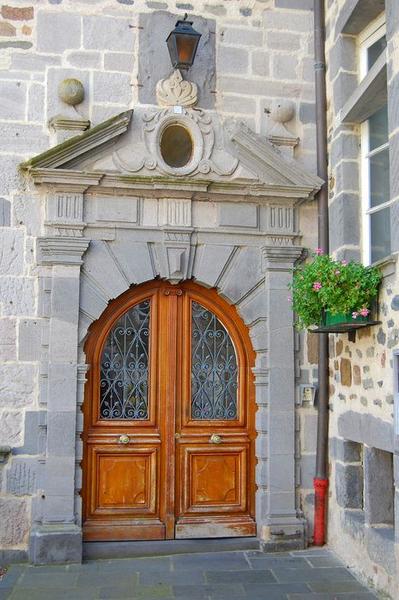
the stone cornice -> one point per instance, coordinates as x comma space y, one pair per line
62, 250
75, 147
76, 181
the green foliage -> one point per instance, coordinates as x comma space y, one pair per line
337, 286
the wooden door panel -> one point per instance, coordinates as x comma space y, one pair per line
213, 480
124, 480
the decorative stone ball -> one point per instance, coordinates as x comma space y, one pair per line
71, 91
282, 111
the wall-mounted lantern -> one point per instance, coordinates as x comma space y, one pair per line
182, 44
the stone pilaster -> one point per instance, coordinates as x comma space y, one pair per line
57, 537
281, 527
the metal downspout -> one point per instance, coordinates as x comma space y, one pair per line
320, 481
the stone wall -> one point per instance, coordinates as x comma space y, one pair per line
362, 375
262, 51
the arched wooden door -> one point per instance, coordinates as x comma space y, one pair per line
169, 418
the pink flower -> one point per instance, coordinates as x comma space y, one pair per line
289, 299
337, 272
344, 262
316, 286
319, 251
364, 311
355, 315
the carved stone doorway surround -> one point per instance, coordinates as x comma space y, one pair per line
98, 240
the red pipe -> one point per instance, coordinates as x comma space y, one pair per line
320, 505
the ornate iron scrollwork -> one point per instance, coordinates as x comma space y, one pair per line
214, 371
124, 366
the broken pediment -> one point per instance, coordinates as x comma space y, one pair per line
175, 147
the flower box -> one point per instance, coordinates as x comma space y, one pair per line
343, 319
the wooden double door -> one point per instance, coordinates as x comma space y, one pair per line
169, 418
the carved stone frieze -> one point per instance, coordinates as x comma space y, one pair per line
64, 213
175, 91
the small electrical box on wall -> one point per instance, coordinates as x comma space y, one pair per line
307, 394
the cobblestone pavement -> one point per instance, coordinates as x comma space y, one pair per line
306, 575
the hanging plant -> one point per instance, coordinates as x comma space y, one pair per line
326, 290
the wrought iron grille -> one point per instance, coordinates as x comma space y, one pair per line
214, 372
124, 366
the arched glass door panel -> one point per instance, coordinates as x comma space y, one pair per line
214, 370
124, 366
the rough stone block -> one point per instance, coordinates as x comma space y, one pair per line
58, 31
366, 429
284, 20
62, 386
344, 221
342, 55
11, 427
14, 521
23, 139
112, 87
307, 112
349, 485
12, 251
260, 64
346, 451
347, 177
17, 384
107, 33
237, 104
55, 544
232, 60
25, 13
18, 296
298, 5
8, 340
31, 433
29, 339
380, 544
28, 61
288, 42
22, 477
36, 101
343, 86
379, 486
345, 369
154, 62
12, 100
5, 212
118, 61
285, 66
309, 432
242, 37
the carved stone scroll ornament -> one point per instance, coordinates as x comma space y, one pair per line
208, 150
174, 91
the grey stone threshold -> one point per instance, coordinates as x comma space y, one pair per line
94, 550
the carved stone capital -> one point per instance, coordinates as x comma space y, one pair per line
281, 258
174, 91
62, 250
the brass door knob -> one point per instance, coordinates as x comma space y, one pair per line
215, 439
124, 438
177, 436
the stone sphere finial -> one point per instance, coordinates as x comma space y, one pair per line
71, 91
282, 111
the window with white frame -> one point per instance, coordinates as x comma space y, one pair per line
375, 156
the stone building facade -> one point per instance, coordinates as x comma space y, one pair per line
362, 83
91, 210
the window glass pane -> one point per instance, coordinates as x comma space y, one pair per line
124, 366
214, 372
380, 234
374, 51
378, 128
379, 178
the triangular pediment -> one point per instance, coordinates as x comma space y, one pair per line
124, 151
